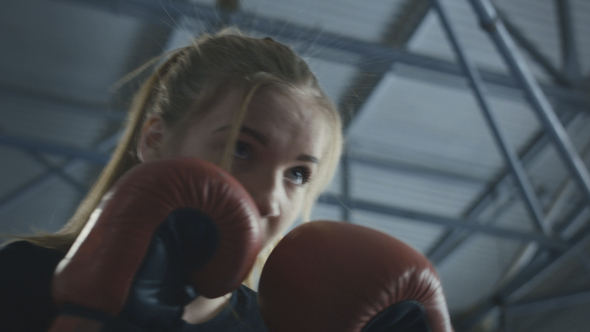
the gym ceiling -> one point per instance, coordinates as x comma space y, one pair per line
467, 127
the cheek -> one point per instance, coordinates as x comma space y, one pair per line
292, 210
197, 147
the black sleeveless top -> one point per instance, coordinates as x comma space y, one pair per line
26, 304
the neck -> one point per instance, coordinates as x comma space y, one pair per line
203, 309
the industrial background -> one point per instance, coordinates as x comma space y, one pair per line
467, 127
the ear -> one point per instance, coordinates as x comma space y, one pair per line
151, 138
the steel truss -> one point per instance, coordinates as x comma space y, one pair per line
556, 249
545, 261
376, 58
380, 56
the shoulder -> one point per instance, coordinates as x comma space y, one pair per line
24, 259
242, 314
244, 302
27, 249
25, 298
245, 297
23, 256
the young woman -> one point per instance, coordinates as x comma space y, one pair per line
253, 107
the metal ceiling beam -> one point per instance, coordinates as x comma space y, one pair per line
97, 158
59, 171
394, 211
489, 20
156, 11
545, 304
569, 53
574, 221
541, 261
452, 240
359, 158
545, 264
100, 156
507, 149
159, 10
28, 144
380, 56
533, 51
25, 190
53, 101
398, 32
532, 276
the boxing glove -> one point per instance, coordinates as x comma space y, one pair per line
166, 232
329, 276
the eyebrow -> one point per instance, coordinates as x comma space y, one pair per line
306, 157
247, 130
264, 141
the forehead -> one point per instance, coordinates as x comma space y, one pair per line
288, 114
286, 107
289, 118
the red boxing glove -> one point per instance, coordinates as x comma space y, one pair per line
164, 225
329, 276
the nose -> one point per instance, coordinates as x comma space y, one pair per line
268, 207
267, 193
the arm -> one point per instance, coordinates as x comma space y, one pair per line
165, 225
25, 275
333, 276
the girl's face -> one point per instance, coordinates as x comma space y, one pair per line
277, 153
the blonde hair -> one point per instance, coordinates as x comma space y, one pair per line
181, 89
